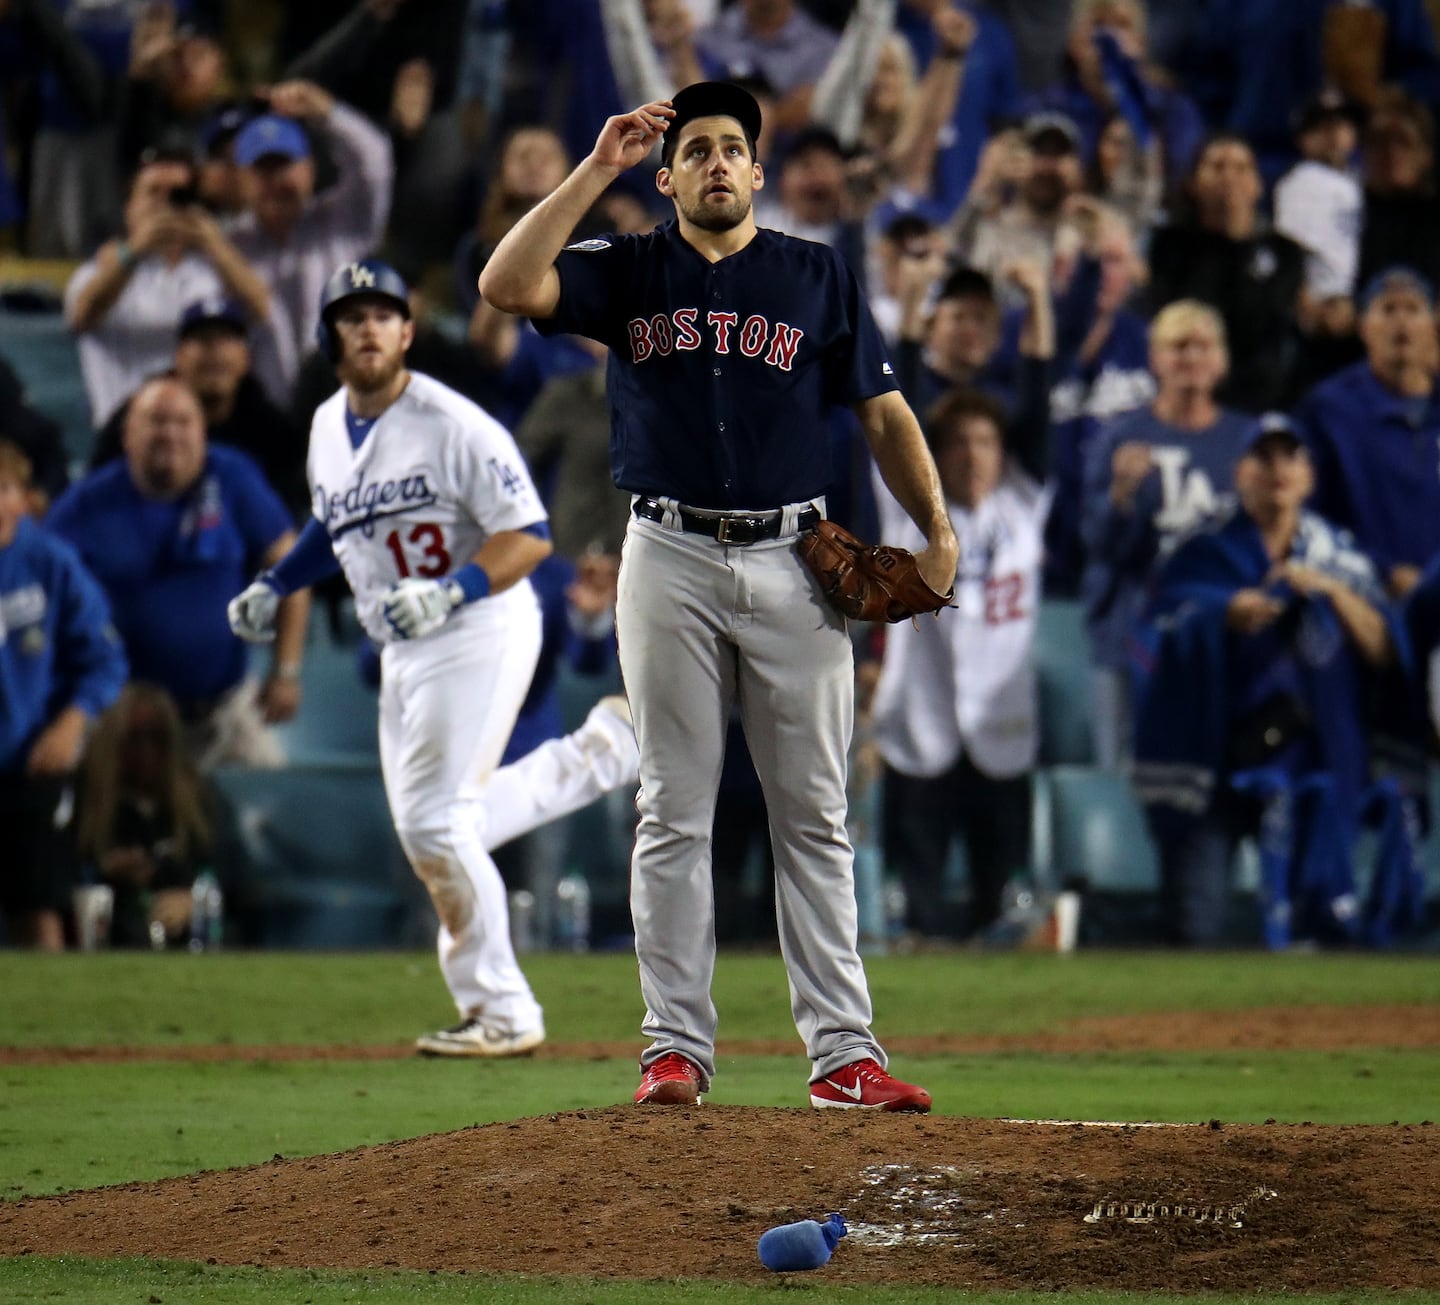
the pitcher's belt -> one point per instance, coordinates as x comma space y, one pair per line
730, 528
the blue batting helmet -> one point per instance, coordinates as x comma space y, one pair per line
370, 278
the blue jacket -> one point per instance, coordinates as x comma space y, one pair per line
1377, 464
170, 569
1196, 680
57, 646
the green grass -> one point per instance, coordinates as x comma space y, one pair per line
32, 1280
63, 1127
83, 1125
108, 999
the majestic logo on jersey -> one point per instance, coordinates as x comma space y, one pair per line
361, 278
588, 246
681, 332
365, 502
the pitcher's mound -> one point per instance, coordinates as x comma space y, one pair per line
635, 1192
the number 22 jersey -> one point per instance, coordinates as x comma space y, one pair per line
434, 478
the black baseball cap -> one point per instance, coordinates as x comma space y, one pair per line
223, 125
712, 100
216, 310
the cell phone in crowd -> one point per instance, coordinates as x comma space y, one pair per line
184, 196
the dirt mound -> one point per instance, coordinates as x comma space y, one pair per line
637, 1192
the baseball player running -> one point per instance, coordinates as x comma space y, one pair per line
729, 348
425, 502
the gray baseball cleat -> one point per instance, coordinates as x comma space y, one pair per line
473, 1038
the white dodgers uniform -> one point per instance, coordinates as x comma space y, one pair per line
432, 480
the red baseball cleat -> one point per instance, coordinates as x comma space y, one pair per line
673, 1080
863, 1085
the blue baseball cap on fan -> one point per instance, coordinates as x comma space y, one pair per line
271, 136
1396, 277
1271, 428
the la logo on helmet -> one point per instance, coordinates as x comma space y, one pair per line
361, 276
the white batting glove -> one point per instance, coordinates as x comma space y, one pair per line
252, 612
415, 608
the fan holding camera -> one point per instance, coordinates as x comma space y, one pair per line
124, 302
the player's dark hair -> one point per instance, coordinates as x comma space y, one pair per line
958, 405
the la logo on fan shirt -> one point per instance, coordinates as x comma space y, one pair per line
680, 331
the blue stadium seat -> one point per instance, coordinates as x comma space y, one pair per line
1090, 832
39, 346
1062, 665
336, 724
1094, 830
318, 864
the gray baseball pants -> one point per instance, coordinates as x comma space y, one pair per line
702, 624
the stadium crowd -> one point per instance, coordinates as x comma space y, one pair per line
1160, 282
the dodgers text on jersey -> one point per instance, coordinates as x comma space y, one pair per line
366, 502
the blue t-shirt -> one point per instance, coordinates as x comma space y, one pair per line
57, 646
170, 568
1116, 381
1193, 478
722, 376
1377, 464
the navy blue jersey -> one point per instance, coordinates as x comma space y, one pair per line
723, 376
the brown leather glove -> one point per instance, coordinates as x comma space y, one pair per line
868, 582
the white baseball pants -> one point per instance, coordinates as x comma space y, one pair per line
448, 704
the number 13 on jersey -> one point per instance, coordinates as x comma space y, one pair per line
427, 546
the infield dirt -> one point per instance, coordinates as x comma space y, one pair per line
649, 1192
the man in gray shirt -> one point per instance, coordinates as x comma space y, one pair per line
293, 237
